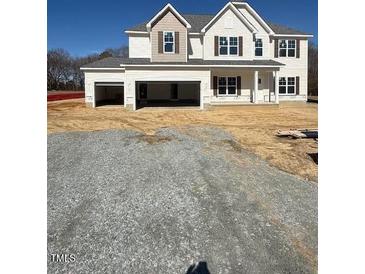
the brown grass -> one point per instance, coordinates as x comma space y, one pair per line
253, 127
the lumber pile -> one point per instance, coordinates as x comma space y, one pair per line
299, 133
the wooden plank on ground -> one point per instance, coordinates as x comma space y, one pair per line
298, 133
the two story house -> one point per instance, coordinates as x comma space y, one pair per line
232, 57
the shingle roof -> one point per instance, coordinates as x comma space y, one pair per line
115, 62
198, 21
139, 27
280, 29
109, 62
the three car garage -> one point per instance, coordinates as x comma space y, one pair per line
135, 88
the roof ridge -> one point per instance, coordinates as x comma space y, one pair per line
210, 14
198, 21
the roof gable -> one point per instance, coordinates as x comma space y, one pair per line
252, 15
199, 21
240, 16
163, 12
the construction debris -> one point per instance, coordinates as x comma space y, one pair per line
299, 133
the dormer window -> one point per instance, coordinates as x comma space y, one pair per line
287, 48
228, 45
169, 42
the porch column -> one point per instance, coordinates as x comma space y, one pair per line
255, 86
276, 87
94, 99
202, 90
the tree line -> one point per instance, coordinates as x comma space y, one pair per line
312, 70
63, 70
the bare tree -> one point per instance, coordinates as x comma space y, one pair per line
312, 69
63, 70
58, 65
122, 51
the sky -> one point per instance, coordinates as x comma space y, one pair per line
85, 27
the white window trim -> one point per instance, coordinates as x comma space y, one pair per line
173, 43
228, 46
226, 95
262, 48
287, 85
287, 48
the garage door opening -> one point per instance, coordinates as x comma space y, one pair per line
109, 94
168, 94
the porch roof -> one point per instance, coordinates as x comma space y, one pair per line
118, 62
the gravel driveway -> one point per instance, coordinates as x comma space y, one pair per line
124, 202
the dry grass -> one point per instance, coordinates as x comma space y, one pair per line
253, 127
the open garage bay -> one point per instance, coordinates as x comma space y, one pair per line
167, 94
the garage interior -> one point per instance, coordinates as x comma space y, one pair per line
109, 94
168, 94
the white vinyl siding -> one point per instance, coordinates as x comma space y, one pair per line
139, 46
294, 67
195, 47
218, 29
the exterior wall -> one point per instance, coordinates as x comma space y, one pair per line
195, 47
247, 86
220, 28
100, 76
295, 67
169, 23
167, 74
252, 20
261, 34
139, 46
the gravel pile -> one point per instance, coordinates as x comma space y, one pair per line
124, 202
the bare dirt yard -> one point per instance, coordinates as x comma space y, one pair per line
253, 127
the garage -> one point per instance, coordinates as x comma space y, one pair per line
109, 94
168, 94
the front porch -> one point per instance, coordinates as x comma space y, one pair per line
244, 86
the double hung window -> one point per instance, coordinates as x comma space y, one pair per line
258, 47
228, 45
287, 48
169, 42
287, 85
227, 86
